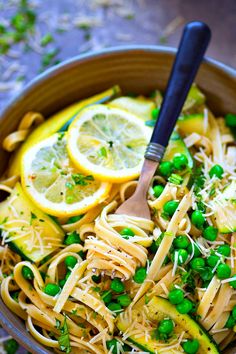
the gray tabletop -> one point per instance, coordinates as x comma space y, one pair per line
78, 26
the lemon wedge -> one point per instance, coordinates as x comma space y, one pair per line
53, 183
108, 143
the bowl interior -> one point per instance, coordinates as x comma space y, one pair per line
138, 69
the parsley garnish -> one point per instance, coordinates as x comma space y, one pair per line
64, 338
175, 179
81, 180
33, 217
49, 57
198, 179
102, 152
21, 25
46, 39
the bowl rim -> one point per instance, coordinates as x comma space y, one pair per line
227, 69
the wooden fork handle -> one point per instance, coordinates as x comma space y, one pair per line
193, 44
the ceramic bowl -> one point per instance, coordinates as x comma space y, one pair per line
138, 69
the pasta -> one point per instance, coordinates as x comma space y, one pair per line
75, 280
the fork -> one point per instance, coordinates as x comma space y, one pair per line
192, 47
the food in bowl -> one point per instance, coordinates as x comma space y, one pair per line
85, 279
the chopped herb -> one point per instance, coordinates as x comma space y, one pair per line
11, 346
33, 217
102, 152
69, 185
198, 179
64, 338
163, 39
129, 17
150, 123
58, 324
96, 289
60, 136
46, 39
81, 325
87, 36
2, 28
212, 192
74, 312
201, 207
48, 58
81, 180
84, 26
175, 179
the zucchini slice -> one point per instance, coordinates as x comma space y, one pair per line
29, 232
140, 106
194, 100
193, 123
157, 309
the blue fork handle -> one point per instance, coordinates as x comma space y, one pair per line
192, 47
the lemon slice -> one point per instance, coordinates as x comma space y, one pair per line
54, 184
108, 143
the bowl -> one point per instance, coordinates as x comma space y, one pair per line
138, 69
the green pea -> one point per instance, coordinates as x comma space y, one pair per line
223, 271
210, 233
124, 300
52, 289
234, 312
197, 263
113, 345
196, 251
170, 207
117, 286
11, 346
157, 190
230, 322
217, 171
233, 282
181, 254
176, 296
197, 219
27, 273
72, 239
127, 232
70, 262
166, 168
225, 250
165, 326
230, 120
212, 260
185, 306
140, 275
96, 279
181, 241
191, 346
114, 307
180, 162
107, 296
